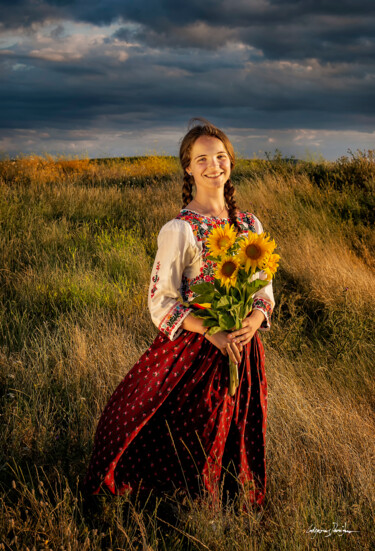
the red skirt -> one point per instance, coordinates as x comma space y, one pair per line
171, 424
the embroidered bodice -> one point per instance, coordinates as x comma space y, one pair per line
181, 260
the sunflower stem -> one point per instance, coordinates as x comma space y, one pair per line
233, 378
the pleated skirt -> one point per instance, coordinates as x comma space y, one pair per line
171, 424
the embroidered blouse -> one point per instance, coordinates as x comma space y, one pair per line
181, 260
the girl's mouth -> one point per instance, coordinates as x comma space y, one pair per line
213, 176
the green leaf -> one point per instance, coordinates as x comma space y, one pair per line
258, 283
236, 313
218, 286
213, 313
238, 323
202, 288
241, 278
225, 302
246, 311
214, 330
204, 297
226, 321
254, 286
204, 314
249, 302
236, 293
235, 308
247, 307
210, 322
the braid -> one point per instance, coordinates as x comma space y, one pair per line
187, 190
229, 193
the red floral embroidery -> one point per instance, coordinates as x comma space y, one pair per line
171, 322
265, 307
155, 279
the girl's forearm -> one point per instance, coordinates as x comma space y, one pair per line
191, 323
258, 317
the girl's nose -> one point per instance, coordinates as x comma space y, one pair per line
214, 162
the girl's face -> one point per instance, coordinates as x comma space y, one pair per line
209, 163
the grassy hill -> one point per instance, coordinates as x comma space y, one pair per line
78, 238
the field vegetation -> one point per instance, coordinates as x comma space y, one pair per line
77, 242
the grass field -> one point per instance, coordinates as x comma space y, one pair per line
78, 238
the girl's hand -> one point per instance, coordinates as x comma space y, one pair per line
249, 326
223, 342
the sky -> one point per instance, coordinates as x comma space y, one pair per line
123, 77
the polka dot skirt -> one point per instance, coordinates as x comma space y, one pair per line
171, 423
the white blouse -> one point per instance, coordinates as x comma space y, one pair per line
180, 261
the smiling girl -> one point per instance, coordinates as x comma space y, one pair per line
171, 424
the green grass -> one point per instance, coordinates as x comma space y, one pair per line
75, 258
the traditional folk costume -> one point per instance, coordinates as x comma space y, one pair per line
171, 423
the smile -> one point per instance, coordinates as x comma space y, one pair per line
214, 175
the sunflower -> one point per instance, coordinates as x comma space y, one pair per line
227, 271
221, 239
254, 249
270, 265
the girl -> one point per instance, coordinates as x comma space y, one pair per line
171, 423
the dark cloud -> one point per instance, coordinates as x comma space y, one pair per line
267, 65
324, 29
24, 13
268, 94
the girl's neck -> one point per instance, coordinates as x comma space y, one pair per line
210, 206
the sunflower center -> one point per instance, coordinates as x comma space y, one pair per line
228, 268
253, 252
223, 242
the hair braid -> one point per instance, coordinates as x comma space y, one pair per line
187, 190
229, 193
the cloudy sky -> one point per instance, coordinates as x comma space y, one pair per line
123, 77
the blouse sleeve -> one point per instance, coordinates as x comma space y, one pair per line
263, 299
176, 250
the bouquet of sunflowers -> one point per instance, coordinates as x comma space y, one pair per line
226, 303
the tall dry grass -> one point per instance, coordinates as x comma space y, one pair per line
76, 251
40, 170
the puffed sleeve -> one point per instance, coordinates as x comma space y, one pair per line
263, 299
176, 251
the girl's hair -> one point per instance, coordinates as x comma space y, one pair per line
195, 132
